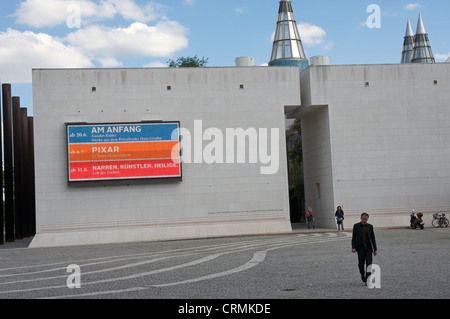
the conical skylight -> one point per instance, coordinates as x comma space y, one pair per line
422, 49
408, 45
287, 45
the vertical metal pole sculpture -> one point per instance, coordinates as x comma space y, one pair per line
24, 173
8, 164
17, 137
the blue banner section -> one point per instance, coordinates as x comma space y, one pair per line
117, 133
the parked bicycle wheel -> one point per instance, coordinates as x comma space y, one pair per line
444, 223
435, 223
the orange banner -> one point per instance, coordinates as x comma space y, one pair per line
122, 151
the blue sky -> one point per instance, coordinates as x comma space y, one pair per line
141, 33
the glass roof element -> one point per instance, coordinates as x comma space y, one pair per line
422, 49
287, 44
408, 45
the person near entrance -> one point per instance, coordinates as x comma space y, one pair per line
364, 243
339, 218
310, 218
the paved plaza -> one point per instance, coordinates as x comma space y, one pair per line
310, 264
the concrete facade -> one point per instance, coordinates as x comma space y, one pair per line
376, 139
214, 199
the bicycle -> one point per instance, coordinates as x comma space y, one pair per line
439, 220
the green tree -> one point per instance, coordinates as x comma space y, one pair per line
188, 62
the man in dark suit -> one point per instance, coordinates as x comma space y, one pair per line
363, 242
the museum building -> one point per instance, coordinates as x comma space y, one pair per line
125, 155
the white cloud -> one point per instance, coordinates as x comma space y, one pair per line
139, 39
412, 6
130, 10
442, 57
20, 52
49, 13
110, 62
156, 64
189, 2
88, 42
313, 35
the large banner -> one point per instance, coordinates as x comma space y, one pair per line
123, 151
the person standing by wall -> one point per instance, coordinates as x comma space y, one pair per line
339, 217
364, 243
310, 218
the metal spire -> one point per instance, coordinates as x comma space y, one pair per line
420, 26
408, 45
422, 49
287, 45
